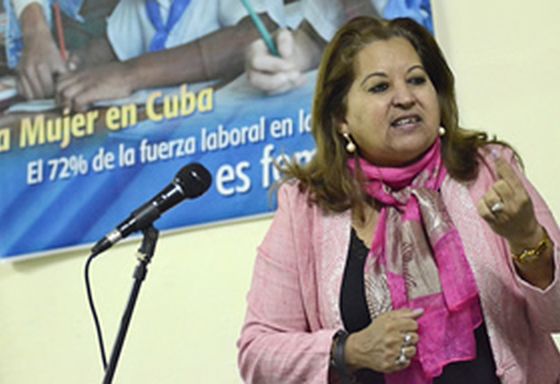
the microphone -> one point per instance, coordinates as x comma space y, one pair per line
189, 183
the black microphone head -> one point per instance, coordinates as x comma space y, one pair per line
194, 179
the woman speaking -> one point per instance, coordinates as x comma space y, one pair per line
409, 250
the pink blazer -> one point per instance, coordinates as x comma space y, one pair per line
293, 303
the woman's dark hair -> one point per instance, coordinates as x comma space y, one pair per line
326, 177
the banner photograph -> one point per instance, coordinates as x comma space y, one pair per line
103, 102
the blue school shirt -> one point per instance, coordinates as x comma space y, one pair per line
130, 30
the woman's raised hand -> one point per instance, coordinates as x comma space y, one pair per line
508, 209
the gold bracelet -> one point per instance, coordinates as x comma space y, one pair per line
530, 255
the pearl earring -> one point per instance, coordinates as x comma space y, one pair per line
350, 146
442, 131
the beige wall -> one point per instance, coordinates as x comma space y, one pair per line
506, 58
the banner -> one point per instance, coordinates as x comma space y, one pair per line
69, 178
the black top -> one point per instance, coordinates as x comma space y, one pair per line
355, 316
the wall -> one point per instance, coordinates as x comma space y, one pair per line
506, 60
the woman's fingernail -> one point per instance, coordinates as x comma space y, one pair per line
418, 311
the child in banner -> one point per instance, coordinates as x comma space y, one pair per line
301, 49
160, 43
32, 49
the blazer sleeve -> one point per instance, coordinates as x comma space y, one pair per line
276, 343
543, 304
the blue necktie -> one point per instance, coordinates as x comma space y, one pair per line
162, 31
419, 10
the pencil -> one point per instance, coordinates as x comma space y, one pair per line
60, 31
261, 28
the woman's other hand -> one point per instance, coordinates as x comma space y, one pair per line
378, 346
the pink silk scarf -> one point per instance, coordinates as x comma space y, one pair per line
418, 254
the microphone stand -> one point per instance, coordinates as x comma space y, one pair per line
144, 256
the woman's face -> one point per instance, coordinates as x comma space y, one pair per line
393, 111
